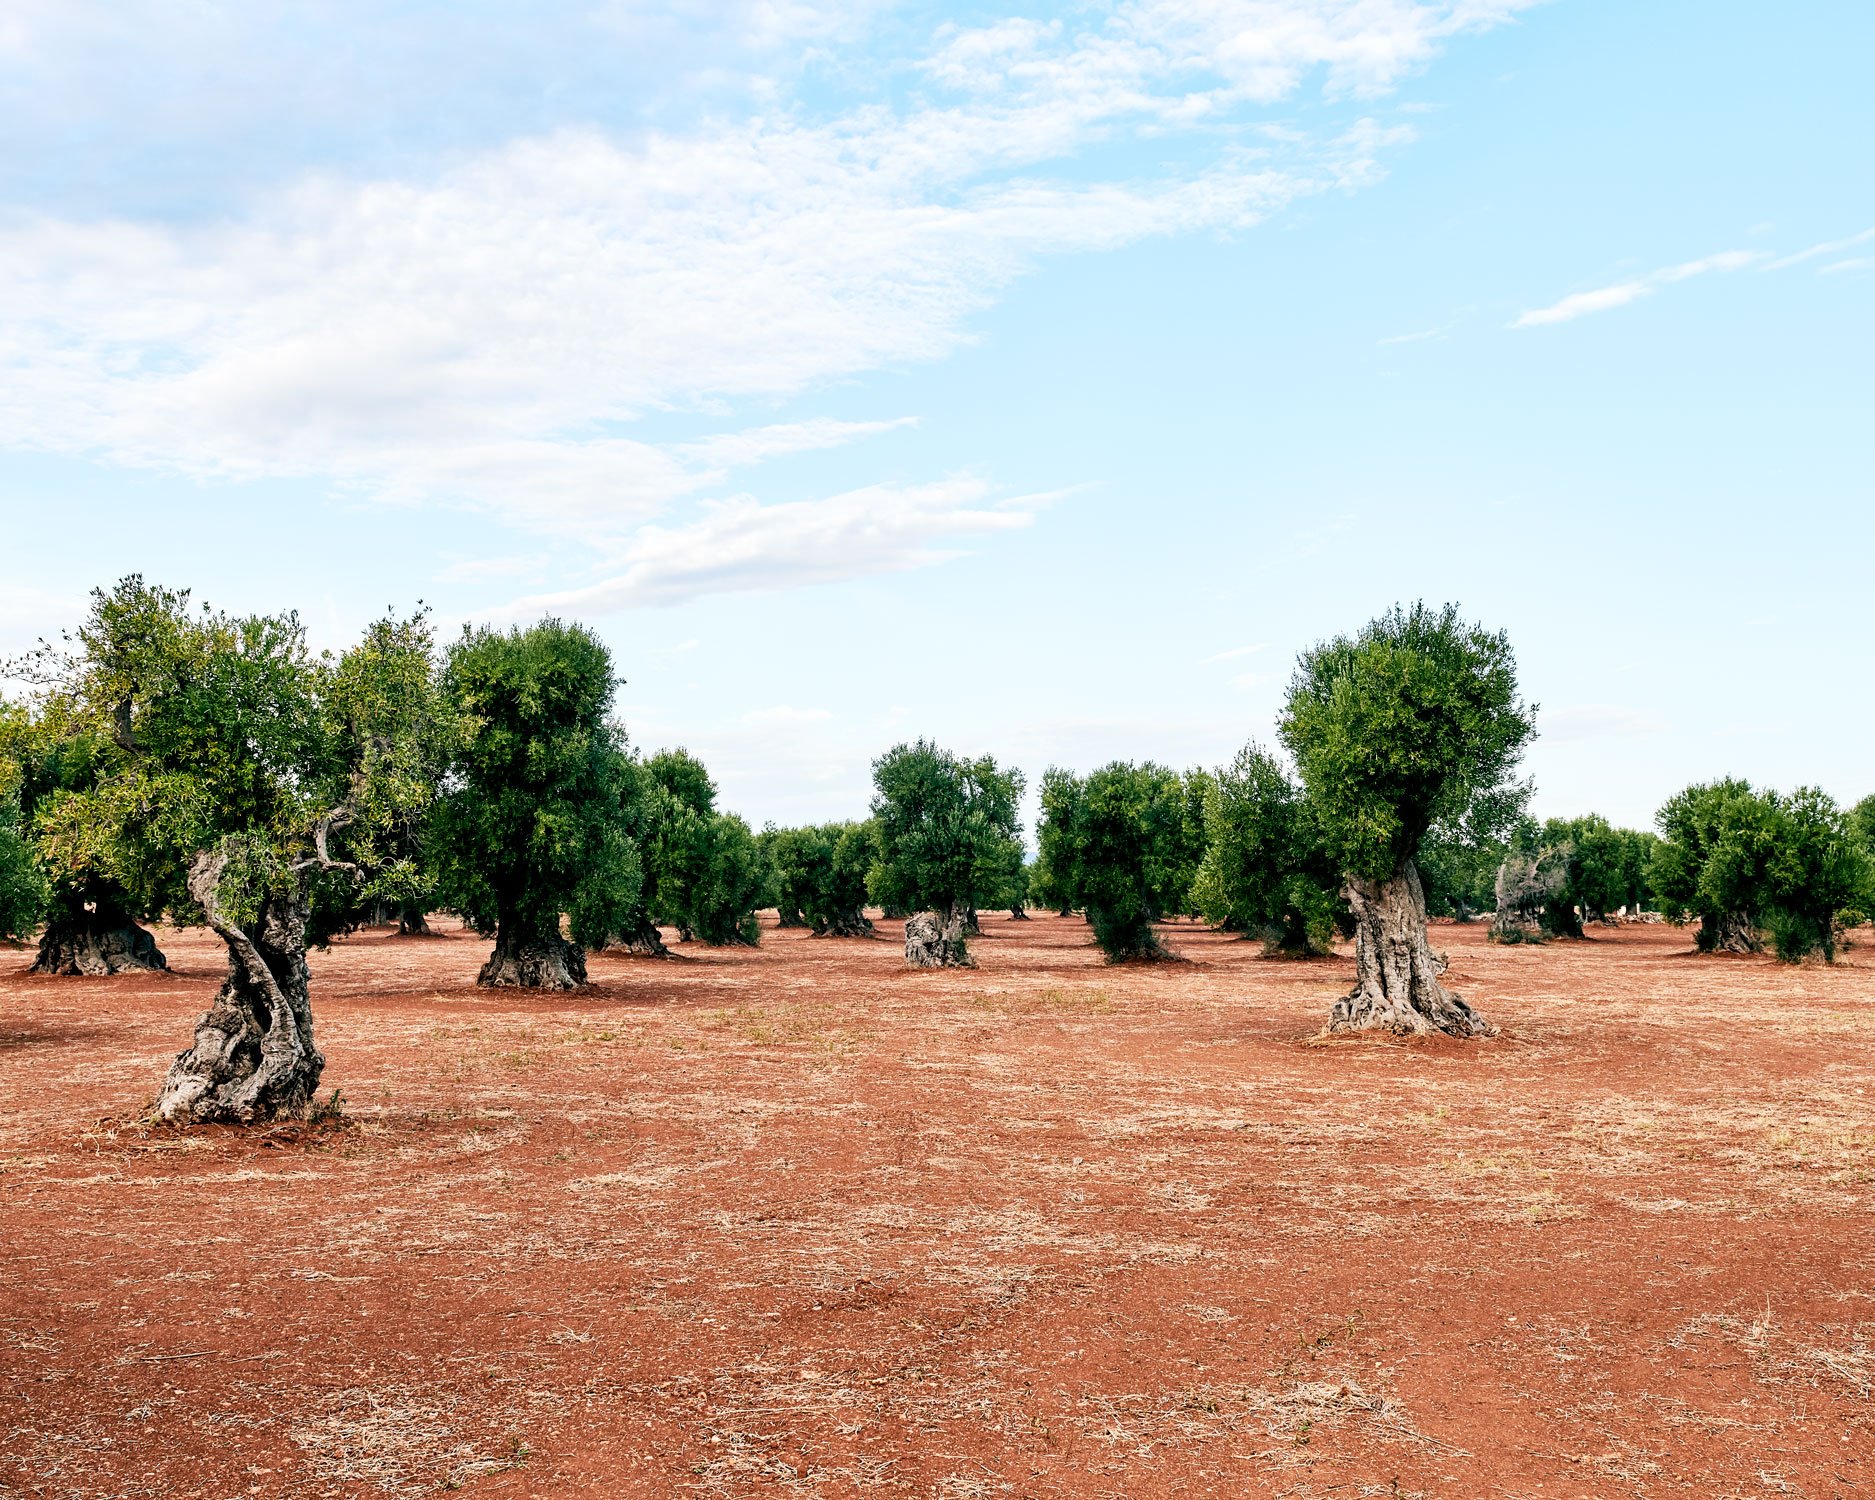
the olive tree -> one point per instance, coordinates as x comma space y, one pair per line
23, 891
1411, 725
1265, 872
93, 919
945, 824
794, 855
706, 874
237, 795
534, 823
1122, 856
823, 869
1046, 887
1819, 880
1713, 862
385, 690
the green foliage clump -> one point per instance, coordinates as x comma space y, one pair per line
732, 883
23, 888
534, 823
948, 828
821, 872
383, 692
1717, 841
1119, 852
1047, 884
707, 874
1820, 877
1265, 873
1412, 725
1458, 872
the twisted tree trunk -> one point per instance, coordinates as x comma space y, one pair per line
1728, 932
1396, 971
789, 916
412, 921
103, 940
253, 1057
1018, 913
641, 936
854, 923
532, 960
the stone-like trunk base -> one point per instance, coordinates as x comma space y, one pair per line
934, 942
84, 948
1396, 971
546, 962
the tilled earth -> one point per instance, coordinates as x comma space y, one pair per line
797, 1221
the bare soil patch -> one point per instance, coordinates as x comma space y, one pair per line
797, 1221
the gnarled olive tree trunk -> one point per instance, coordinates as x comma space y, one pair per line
102, 940
532, 960
412, 921
253, 1057
641, 936
1728, 932
1397, 973
854, 923
935, 940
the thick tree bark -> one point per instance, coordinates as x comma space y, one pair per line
789, 916
853, 923
935, 940
529, 960
1018, 914
412, 921
1728, 932
641, 936
972, 927
1290, 939
253, 1057
99, 942
1396, 971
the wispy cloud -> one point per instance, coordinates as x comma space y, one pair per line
1597, 721
1602, 299
487, 328
1235, 652
741, 545
1816, 252
1620, 294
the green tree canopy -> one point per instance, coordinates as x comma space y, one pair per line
945, 825
1820, 878
1265, 872
1121, 853
535, 821
1713, 861
1411, 725
23, 889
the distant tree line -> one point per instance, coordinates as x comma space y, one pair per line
178, 762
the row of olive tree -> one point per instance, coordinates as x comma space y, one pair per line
1402, 736
186, 763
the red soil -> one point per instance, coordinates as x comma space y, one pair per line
798, 1221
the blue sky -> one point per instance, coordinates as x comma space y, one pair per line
1041, 379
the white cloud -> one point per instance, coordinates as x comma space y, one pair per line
1597, 721
740, 545
1853, 263
1604, 298
737, 449
1235, 652
486, 333
1828, 247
